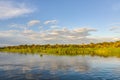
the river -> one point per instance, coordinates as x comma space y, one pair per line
50, 67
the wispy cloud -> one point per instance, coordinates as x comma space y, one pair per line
33, 22
11, 37
50, 22
9, 9
115, 28
24, 26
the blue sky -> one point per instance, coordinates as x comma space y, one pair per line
58, 21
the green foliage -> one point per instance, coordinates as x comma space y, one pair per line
99, 49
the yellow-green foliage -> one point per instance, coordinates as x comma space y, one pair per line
100, 49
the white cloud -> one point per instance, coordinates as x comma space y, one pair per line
50, 22
17, 26
103, 39
8, 33
33, 22
54, 27
52, 36
12, 37
116, 39
10, 9
115, 29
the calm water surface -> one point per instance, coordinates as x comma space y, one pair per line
49, 67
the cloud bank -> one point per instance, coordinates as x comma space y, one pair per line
60, 35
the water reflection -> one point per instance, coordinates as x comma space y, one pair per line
17, 66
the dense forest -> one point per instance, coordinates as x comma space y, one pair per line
95, 49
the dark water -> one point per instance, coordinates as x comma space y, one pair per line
46, 67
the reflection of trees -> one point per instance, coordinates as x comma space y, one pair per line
65, 64
51, 64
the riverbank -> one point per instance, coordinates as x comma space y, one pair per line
104, 49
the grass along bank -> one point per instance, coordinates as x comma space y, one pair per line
104, 49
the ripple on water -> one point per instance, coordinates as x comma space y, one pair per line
34, 67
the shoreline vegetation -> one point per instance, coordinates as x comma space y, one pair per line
104, 49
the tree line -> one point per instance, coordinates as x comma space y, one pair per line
100, 49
